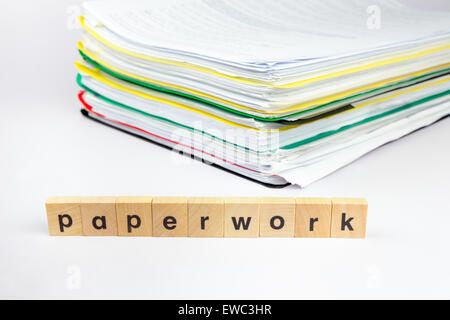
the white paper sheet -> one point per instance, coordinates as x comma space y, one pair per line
269, 32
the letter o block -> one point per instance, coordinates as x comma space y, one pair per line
277, 217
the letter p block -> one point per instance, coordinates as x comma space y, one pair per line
134, 216
64, 216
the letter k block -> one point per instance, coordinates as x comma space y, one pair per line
348, 218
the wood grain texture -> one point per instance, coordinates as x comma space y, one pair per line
313, 218
241, 217
170, 217
64, 216
348, 218
205, 217
277, 217
134, 216
98, 215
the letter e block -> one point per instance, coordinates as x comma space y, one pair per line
313, 218
348, 218
64, 216
170, 217
205, 217
242, 217
277, 218
134, 216
99, 216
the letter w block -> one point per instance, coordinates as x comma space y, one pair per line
242, 217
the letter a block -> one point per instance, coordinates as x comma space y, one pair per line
242, 217
99, 216
313, 218
170, 217
134, 216
64, 216
205, 217
348, 218
277, 218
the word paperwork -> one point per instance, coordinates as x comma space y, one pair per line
207, 217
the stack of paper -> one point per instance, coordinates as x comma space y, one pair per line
277, 91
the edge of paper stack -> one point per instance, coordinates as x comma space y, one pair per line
278, 92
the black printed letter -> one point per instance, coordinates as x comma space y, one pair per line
237, 224
281, 224
169, 223
311, 223
95, 224
202, 222
346, 223
61, 222
130, 220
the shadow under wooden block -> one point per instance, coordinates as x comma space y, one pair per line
313, 218
134, 216
64, 216
170, 217
205, 216
241, 217
277, 217
348, 218
98, 215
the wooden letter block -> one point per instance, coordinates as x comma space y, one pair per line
99, 216
170, 217
313, 218
277, 217
348, 218
64, 216
134, 216
205, 217
242, 217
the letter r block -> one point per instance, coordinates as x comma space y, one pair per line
170, 217
277, 217
205, 217
134, 216
64, 216
348, 218
313, 218
242, 217
98, 215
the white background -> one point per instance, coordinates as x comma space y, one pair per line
48, 148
